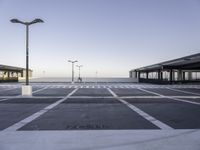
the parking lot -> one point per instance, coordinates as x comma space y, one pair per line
100, 107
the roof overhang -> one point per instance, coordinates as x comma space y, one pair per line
191, 62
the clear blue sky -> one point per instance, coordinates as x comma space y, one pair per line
108, 36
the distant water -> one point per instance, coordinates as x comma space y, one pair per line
60, 79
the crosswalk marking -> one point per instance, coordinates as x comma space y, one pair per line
120, 86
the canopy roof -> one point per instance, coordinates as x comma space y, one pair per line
191, 62
11, 68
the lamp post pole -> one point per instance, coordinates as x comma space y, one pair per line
72, 69
27, 24
27, 54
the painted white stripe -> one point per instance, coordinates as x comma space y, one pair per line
40, 89
9, 89
123, 97
52, 86
187, 92
40, 97
27, 120
5, 99
11, 97
151, 97
128, 86
94, 97
144, 90
182, 100
151, 119
186, 97
171, 97
132, 86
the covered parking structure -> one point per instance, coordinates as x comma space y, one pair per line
181, 70
12, 74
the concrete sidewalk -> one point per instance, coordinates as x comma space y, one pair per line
101, 140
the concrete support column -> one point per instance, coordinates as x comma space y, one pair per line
173, 75
23, 74
189, 75
183, 77
135, 74
138, 74
160, 77
4, 74
170, 75
130, 74
147, 75
180, 75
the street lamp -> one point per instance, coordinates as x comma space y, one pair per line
27, 24
79, 70
72, 68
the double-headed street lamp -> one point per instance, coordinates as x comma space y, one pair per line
79, 72
72, 68
27, 24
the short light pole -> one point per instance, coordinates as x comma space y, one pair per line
72, 69
28, 90
79, 72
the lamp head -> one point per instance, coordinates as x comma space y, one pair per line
16, 21
37, 20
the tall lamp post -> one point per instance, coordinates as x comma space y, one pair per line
72, 68
27, 90
79, 72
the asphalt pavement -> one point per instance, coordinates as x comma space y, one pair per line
79, 107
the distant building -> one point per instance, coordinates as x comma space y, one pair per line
12, 74
181, 70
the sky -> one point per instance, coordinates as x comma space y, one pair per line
109, 37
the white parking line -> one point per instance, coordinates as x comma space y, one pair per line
23, 96
40, 89
27, 120
154, 93
153, 120
9, 89
187, 92
170, 97
123, 97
